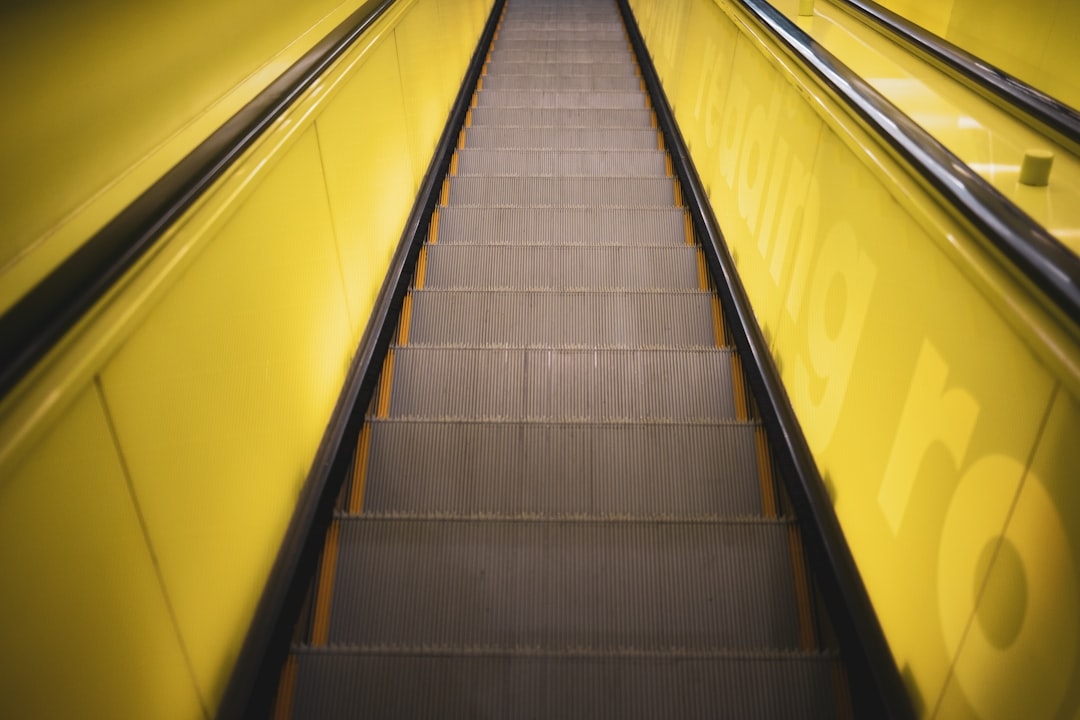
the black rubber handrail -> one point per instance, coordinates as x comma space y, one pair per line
37, 321
1039, 256
1016, 95
877, 689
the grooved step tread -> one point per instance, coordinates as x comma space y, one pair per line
543, 138
548, 267
546, 469
551, 99
562, 163
611, 192
563, 319
639, 118
346, 684
559, 585
534, 83
562, 226
561, 384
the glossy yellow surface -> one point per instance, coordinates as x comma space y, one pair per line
84, 623
218, 359
935, 391
108, 95
989, 140
1034, 40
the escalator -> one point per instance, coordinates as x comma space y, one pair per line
562, 502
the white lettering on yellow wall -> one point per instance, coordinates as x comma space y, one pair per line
932, 413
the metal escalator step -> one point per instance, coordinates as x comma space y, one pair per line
564, 584
561, 384
569, 98
355, 683
535, 83
547, 267
563, 226
564, 117
533, 138
520, 44
495, 318
611, 192
540, 163
637, 470
559, 69
543, 58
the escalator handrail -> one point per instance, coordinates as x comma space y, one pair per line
38, 320
1016, 94
1040, 257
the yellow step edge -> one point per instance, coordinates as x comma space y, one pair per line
768, 490
359, 478
283, 703
807, 640
433, 229
382, 409
320, 631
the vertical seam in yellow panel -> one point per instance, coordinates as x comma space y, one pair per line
320, 631
802, 591
359, 479
283, 703
159, 576
385, 381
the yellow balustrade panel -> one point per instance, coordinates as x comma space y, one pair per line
150, 464
936, 395
1034, 40
109, 95
366, 156
84, 624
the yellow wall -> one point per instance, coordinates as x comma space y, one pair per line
1033, 40
150, 464
937, 394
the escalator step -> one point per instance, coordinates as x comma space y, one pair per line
547, 384
346, 684
564, 584
541, 163
548, 267
565, 226
557, 100
559, 70
639, 470
561, 117
563, 44
562, 192
479, 318
627, 83
533, 138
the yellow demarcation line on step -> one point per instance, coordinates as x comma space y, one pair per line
479, 84
768, 489
742, 411
359, 478
678, 194
454, 164
842, 690
320, 631
406, 320
475, 99
461, 140
643, 88
802, 591
702, 271
283, 703
653, 121
468, 118
668, 170
433, 230
689, 223
444, 196
382, 409
421, 274
718, 322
